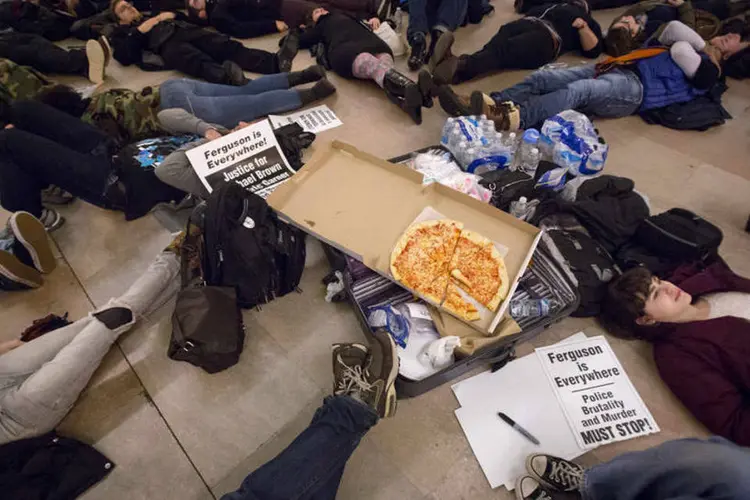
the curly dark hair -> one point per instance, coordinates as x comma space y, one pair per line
738, 65
619, 42
625, 301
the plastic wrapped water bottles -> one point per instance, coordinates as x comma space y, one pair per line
476, 145
571, 141
528, 153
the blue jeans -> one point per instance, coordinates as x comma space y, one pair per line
311, 467
545, 93
442, 15
227, 105
685, 469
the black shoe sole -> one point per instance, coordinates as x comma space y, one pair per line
450, 103
412, 103
426, 88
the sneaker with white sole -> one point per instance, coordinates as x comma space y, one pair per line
348, 366
32, 235
555, 473
528, 488
15, 275
51, 219
97, 57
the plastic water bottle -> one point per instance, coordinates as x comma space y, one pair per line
532, 308
529, 140
398, 17
529, 161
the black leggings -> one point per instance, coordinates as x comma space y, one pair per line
46, 146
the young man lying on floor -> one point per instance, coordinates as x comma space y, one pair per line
687, 70
699, 325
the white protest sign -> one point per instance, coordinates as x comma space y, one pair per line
596, 395
251, 157
313, 120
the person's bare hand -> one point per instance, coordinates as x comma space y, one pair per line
10, 125
10, 345
374, 23
240, 126
167, 16
580, 23
281, 26
675, 3
212, 134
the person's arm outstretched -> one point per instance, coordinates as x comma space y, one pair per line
590, 34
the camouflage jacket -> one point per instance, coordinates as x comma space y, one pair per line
20, 82
126, 115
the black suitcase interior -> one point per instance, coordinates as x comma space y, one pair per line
544, 278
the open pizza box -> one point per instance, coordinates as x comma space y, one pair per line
362, 205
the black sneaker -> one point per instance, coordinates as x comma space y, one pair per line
32, 235
555, 473
528, 488
233, 74
418, 44
15, 275
288, 51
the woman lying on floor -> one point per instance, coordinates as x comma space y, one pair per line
352, 50
129, 116
41, 380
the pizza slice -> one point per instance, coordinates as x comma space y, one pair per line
479, 269
456, 304
436, 237
412, 266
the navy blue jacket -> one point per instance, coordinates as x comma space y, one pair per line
664, 83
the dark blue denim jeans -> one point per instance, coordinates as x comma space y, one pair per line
227, 105
685, 469
443, 15
311, 467
545, 93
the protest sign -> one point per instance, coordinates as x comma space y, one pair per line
596, 395
313, 120
251, 157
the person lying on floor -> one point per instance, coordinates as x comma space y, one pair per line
688, 69
194, 50
129, 116
547, 32
524, 6
250, 18
646, 20
41, 380
699, 324
313, 465
43, 55
352, 50
42, 146
436, 17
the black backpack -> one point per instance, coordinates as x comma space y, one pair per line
249, 248
590, 263
680, 234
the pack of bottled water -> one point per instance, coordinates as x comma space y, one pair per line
477, 146
570, 140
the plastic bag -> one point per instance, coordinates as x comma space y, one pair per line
571, 140
401, 320
468, 184
392, 39
437, 166
439, 354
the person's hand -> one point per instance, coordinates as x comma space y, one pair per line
374, 23
240, 126
281, 26
10, 125
580, 23
212, 134
10, 345
675, 3
167, 16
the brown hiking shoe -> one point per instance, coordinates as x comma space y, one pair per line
452, 103
348, 365
373, 381
506, 115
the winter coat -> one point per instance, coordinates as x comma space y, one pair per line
244, 18
707, 363
50, 466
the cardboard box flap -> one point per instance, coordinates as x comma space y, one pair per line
362, 205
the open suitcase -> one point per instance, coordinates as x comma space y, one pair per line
544, 278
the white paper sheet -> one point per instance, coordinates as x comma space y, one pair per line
520, 390
313, 120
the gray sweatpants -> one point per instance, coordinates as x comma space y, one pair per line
42, 379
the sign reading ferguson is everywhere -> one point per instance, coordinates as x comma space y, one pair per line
597, 397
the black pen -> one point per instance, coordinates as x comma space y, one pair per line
517, 427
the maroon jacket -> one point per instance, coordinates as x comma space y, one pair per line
707, 363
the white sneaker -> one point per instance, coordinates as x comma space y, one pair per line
97, 57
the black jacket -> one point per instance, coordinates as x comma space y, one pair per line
49, 467
129, 45
244, 18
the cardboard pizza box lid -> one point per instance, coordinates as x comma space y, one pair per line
362, 204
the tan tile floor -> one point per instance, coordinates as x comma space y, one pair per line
178, 433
